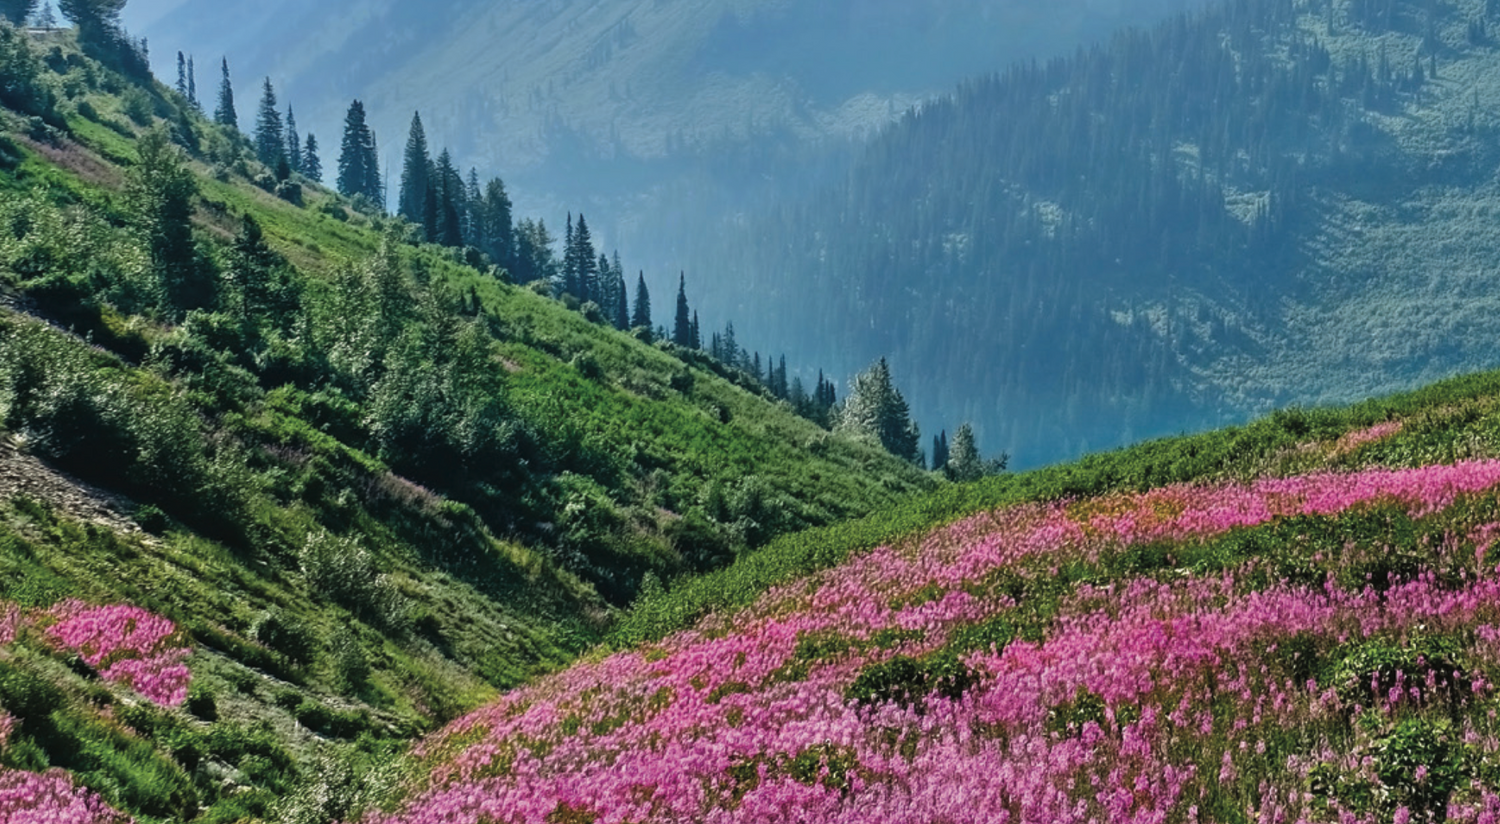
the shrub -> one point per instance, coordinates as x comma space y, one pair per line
288, 636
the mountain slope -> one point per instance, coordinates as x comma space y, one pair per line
644, 115
309, 488
1260, 204
1309, 638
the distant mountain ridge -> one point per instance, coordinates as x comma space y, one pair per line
1267, 203
639, 113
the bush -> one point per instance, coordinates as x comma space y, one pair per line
288, 636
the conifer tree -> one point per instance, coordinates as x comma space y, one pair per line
682, 326
450, 200
182, 88
416, 173
359, 173
293, 149
963, 464
499, 232
474, 225
160, 192
640, 315
192, 85
312, 165
270, 138
587, 277
224, 114
876, 411
940, 450
697, 336
569, 261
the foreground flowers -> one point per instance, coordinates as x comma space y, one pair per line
1119, 659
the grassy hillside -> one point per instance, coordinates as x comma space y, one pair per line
280, 490
1294, 621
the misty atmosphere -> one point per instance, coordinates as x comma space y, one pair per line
625, 411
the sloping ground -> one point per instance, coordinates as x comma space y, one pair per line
25, 476
1313, 645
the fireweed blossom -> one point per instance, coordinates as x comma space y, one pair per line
51, 798
126, 645
1148, 699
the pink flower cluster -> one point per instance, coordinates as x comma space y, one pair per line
127, 645
1354, 440
1146, 700
51, 798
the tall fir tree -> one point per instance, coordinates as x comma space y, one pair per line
499, 231
192, 85
940, 450
224, 114
640, 314
588, 267
682, 322
270, 138
182, 88
450, 201
620, 315
416, 174
359, 172
293, 149
569, 284
474, 223
312, 165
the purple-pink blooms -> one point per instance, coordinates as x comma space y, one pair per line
127, 645
719, 724
51, 798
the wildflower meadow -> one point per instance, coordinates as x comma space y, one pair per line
1313, 648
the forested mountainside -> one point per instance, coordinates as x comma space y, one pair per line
254, 436
1268, 202
650, 114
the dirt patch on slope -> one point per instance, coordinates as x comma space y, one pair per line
22, 474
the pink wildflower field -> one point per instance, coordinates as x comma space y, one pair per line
1347, 680
125, 645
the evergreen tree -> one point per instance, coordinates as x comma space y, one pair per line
621, 314
499, 231
358, 172
182, 74
640, 315
293, 150
225, 115
940, 450
312, 165
696, 336
534, 258
569, 284
270, 138
17, 11
160, 191
192, 84
416, 173
964, 464
682, 327
876, 411
450, 201
587, 276
474, 223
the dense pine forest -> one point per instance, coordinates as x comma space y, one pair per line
1168, 230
